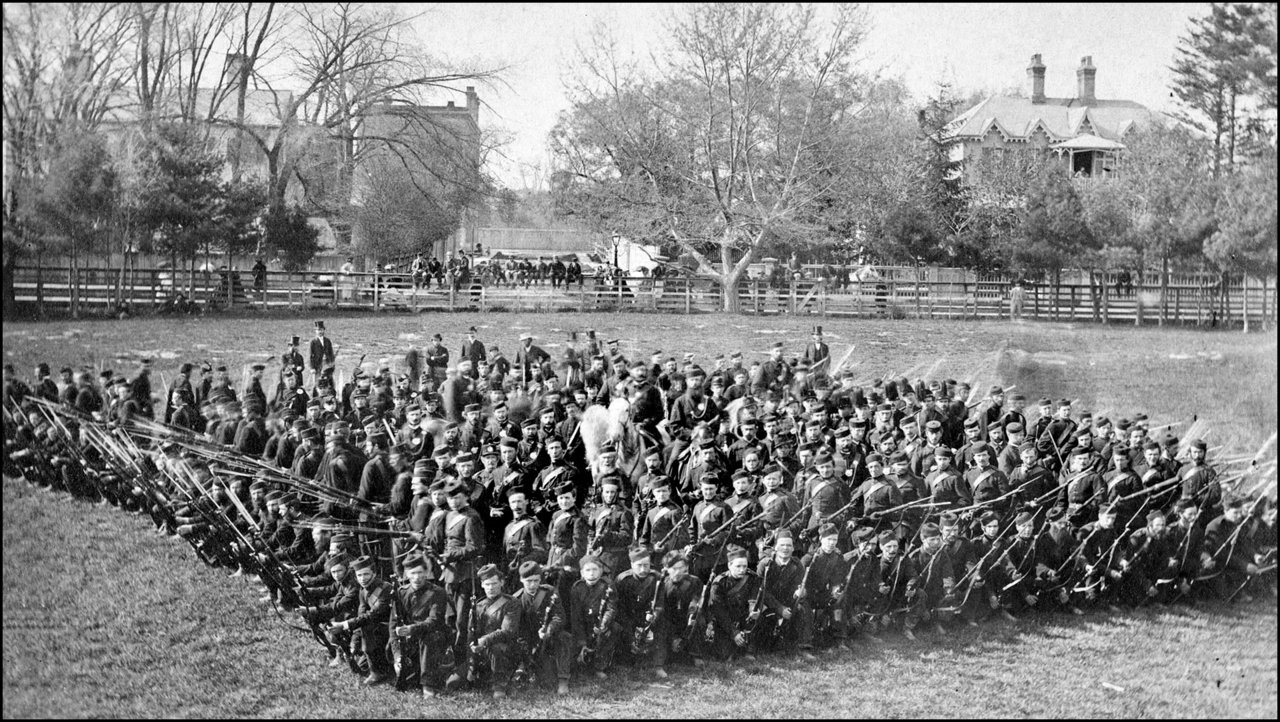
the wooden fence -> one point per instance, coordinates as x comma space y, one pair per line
44, 290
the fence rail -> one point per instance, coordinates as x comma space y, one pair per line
45, 290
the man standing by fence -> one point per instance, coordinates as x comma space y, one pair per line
1017, 297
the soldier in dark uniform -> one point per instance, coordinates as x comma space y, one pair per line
418, 623
567, 535
1200, 482
593, 610
639, 592
730, 612
491, 649
612, 527
544, 638
369, 624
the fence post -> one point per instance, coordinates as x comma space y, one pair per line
1177, 306
755, 291
1106, 304
1073, 303
824, 299
39, 286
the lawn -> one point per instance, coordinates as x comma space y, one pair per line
104, 618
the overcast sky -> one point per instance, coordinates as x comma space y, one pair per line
976, 46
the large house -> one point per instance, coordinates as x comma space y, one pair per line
1087, 133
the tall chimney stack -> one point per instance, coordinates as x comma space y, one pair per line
1035, 71
473, 103
1085, 75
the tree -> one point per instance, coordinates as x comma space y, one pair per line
75, 199
730, 141
1054, 231
182, 205
1245, 241
1225, 72
287, 235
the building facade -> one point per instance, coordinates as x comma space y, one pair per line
1085, 132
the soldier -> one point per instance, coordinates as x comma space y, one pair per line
639, 592
1200, 482
825, 570
708, 529
544, 638
341, 600
592, 609
1152, 562
418, 624
936, 580
1083, 490
566, 538
988, 485
612, 527
494, 630
948, 488
368, 643
1234, 562
897, 588
730, 607
463, 546
524, 538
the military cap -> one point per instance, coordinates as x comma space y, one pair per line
980, 448
452, 426
1014, 428
1063, 403
899, 457
378, 437
465, 457
1199, 444
990, 518
1079, 451
735, 354
994, 425
814, 422
907, 421
1123, 424
529, 422
1056, 513
1150, 444
949, 519
1170, 440
1139, 418
874, 459
611, 480
740, 474
929, 530
517, 488
508, 443
589, 560
456, 486
311, 433
886, 537
554, 439
438, 485
783, 439
1154, 514
735, 552
1083, 431
364, 562
822, 459
1045, 401
336, 560
994, 390
827, 530
1101, 421
971, 423
565, 488
638, 553
530, 569
423, 468
489, 450
944, 452
843, 433
1233, 502
489, 571
1023, 518
657, 482
933, 425
414, 561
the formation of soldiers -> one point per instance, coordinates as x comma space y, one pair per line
488, 523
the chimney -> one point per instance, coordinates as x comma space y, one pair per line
1035, 71
1084, 81
473, 104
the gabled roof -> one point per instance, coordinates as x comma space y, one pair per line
1061, 118
1089, 142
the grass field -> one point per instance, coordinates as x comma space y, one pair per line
104, 618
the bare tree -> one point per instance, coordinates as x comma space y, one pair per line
734, 140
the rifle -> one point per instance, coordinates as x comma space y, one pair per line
644, 635
473, 630
544, 631
395, 645
697, 615
588, 652
756, 607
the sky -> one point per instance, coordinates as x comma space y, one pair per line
976, 46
